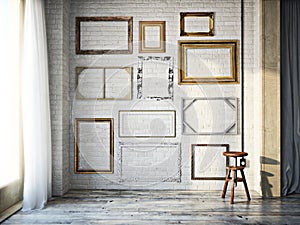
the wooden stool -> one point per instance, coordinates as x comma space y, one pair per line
234, 177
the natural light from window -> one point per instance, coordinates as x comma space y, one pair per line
9, 91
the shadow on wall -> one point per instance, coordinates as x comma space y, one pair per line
266, 187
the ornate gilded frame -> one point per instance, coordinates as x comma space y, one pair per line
80, 20
77, 150
193, 161
210, 16
231, 78
143, 25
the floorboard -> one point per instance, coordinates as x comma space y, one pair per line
161, 207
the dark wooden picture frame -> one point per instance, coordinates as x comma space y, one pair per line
77, 150
80, 20
193, 176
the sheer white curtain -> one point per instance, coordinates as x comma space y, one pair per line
35, 107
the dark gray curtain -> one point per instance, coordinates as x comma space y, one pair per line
290, 85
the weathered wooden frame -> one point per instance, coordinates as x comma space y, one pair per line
103, 88
80, 20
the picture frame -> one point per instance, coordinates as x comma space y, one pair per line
209, 162
104, 83
208, 61
155, 78
150, 162
206, 19
100, 28
147, 123
92, 148
210, 116
152, 36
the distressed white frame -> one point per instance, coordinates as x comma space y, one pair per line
142, 147
142, 77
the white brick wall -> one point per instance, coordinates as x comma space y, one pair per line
227, 26
57, 23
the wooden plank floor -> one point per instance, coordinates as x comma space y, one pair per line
161, 207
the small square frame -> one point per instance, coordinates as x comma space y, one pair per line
209, 15
143, 36
193, 177
77, 150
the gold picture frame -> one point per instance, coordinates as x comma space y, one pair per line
152, 36
116, 23
187, 15
194, 161
199, 62
81, 159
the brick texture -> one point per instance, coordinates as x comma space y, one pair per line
65, 107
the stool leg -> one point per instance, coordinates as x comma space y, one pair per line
232, 187
226, 183
245, 185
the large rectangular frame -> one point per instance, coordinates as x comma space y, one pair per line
80, 69
77, 150
232, 45
193, 177
142, 36
209, 15
171, 135
227, 131
176, 146
103, 19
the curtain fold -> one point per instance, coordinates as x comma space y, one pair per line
35, 109
290, 99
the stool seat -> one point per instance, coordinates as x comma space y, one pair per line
235, 154
233, 177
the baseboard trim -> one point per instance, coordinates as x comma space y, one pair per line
10, 211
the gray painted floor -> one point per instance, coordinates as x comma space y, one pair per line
161, 207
